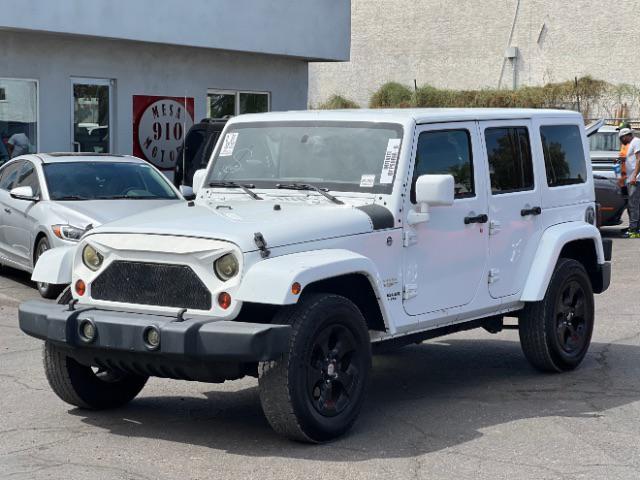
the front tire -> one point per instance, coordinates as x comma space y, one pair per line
555, 333
315, 391
47, 290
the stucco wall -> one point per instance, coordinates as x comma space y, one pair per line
302, 28
461, 44
142, 69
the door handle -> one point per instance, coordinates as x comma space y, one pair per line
525, 212
7, 210
482, 218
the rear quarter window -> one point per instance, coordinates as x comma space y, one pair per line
564, 157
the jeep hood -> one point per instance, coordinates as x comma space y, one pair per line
238, 221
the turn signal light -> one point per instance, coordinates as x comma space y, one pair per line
296, 288
224, 300
81, 288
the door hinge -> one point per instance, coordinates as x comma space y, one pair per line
409, 237
494, 227
494, 275
409, 291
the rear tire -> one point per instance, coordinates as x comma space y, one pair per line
555, 333
315, 391
47, 290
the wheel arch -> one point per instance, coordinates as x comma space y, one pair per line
577, 240
335, 271
40, 235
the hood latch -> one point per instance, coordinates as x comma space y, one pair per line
261, 244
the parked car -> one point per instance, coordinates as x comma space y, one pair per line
316, 237
50, 200
604, 146
611, 200
198, 147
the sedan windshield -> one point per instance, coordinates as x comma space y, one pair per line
106, 181
340, 156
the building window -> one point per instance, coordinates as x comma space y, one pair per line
225, 103
91, 115
18, 117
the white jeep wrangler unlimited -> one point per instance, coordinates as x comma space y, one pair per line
316, 237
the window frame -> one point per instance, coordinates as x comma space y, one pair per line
544, 158
37, 84
414, 179
236, 94
533, 173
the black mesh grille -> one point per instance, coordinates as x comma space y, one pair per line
151, 284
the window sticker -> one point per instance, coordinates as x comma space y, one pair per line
390, 161
367, 181
229, 144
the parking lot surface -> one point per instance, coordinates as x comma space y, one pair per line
463, 406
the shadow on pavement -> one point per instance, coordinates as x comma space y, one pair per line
18, 276
421, 399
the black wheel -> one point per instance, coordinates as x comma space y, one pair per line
315, 391
555, 333
88, 387
47, 290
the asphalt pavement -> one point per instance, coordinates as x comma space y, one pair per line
466, 406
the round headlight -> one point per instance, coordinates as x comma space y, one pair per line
226, 267
92, 258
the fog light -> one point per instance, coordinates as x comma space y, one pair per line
224, 300
81, 288
88, 330
152, 338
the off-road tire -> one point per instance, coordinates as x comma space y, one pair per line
79, 385
541, 332
286, 395
47, 290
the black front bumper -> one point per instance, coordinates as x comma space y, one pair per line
203, 349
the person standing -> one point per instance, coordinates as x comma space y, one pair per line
18, 144
632, 164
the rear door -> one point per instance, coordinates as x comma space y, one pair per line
514, 204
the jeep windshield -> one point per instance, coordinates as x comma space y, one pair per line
336, 156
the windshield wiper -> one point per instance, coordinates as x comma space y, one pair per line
244, 188
70, 197
313, 188
127, 197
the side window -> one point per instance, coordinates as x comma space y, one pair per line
10, 175
28, 177
510, 162
564, 158
446, 152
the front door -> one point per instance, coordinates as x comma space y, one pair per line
91, 115
514, 204
445, 258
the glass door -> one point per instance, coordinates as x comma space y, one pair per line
92, 113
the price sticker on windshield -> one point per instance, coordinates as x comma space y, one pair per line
390, 161
229, 144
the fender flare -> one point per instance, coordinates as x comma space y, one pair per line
269, 281
551, 244
55, 266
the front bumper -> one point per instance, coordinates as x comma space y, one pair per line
203, 349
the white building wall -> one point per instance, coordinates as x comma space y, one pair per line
461, 45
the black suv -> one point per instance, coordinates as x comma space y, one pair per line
198, 146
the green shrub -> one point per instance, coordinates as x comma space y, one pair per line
392, 95
338, 102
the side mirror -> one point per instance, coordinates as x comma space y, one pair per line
24, 193
431, 191
198, 180
187, 192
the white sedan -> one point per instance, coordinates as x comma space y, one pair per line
50, 200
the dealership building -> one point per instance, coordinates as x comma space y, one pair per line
130, 77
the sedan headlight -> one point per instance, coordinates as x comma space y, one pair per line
92, 258
226, 267
68, 232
